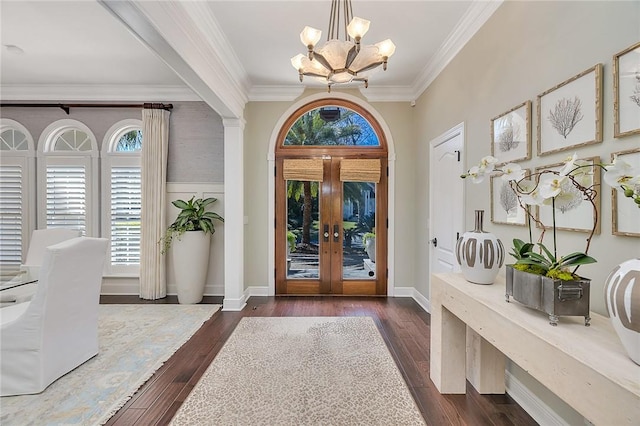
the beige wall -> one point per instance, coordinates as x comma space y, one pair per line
525, 49
261, 118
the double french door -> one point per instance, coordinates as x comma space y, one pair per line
331, 225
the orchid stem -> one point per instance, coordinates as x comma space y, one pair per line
553, 206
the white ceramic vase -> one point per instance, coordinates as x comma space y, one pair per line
480, 254
622, 297
191, 263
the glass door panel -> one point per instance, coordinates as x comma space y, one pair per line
359, 243
303, 242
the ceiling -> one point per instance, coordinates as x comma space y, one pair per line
181, 50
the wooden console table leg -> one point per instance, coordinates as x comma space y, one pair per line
448, 347
485, 365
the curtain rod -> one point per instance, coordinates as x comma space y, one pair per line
66, 107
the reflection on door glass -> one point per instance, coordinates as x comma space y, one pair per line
359, 227
303, 243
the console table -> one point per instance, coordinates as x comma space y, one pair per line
472, 325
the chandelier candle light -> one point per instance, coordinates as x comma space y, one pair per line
341, 61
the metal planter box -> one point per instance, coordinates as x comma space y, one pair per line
554, 297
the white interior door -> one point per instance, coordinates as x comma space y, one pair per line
446, 198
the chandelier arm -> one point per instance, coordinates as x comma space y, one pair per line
351, 55
370, 66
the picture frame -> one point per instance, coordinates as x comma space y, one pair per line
570, 114
511, 134
626, 92
580, 217
505, 208
624, 211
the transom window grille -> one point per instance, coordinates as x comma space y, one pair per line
73, 140
13, 140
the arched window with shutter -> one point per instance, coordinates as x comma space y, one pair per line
17, 193
68, 189
121, 195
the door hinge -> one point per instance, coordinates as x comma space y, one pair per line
387, 171
458, 153
275, 170
387, 273
275, 223
457, 236
387, 223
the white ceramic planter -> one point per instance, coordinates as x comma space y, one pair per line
622, 296
370, 248
191, 263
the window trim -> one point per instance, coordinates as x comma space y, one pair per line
26, 159
89, 158
110, 158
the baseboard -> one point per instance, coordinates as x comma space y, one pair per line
529, 402
229, 304
131, 286
256, 291
415, 295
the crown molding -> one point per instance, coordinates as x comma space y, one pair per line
388, 93
96, 92
275, 93
473, 19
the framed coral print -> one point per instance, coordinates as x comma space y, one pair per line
574, 213
626, 91
570, 114
511, 134
505, 208
625, 211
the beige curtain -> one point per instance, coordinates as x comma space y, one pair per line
356, 170
155, 145
303, 169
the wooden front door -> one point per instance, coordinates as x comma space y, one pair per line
330, 212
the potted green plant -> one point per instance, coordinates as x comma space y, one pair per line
540, 278
189, 238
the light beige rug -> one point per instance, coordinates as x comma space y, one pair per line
301, 371
135, 340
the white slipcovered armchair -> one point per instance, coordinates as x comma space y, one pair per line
57, 330
40, 240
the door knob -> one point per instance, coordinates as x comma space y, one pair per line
325, 234
434, 242
336, 233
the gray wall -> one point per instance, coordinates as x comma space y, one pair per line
523, 50
196, 148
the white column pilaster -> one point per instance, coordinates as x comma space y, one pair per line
234, 299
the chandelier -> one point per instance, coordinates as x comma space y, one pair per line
341, 61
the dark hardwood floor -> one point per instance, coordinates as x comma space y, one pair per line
404, 325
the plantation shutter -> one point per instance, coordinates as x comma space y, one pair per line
310, 169
125, 215
359, 170
11, 216
66, 197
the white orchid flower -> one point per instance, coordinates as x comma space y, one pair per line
582, 173
569, 197
569, 165
528, 193
551, 186
512, 171
619, 173
488, 163
476, 174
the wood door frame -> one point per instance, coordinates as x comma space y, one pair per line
269, 289
331, 281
